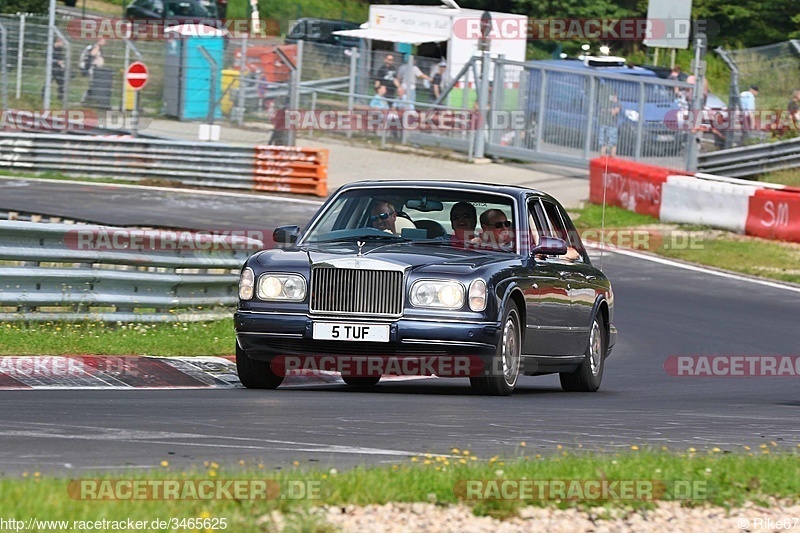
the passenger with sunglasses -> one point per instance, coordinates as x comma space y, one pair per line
383, 217
463, 219
497, 231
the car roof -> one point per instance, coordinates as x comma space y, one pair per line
578, 65
471, 186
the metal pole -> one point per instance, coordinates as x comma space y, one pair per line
135, 114
733, 100
212, 97
294, 92
3, 58
20, 52
242, 70
587, 146
691, 152
540, 117
313, 109
48, 75
125, 87
351, 88
497, 103
640, 123
483, 102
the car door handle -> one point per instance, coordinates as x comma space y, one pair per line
564, 275
591, 278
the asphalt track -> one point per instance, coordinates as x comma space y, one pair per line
662, 310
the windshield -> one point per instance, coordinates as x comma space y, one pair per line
447, 217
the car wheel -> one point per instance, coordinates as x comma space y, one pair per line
505, 367
361, 381
255, 374
588, 376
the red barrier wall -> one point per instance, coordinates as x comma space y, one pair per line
774, 214
630, 185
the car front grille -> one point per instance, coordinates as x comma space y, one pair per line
350, 291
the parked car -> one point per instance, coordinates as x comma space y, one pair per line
378, 275
566, 105
174, 12
320, 31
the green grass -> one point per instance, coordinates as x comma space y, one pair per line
714, 248
52, 175
719, 477
789, 177
96, 338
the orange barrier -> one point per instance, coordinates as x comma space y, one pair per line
628, 184
291, 169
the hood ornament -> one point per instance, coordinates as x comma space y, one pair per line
360, 246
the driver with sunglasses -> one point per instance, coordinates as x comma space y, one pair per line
383, 217
497, 231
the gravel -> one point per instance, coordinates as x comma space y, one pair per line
666, 516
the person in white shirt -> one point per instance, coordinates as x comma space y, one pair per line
747, 103
408, 75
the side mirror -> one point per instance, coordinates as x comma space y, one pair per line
286, 234
550, 246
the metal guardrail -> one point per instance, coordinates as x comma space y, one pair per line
78, 272
267, 168
751, 160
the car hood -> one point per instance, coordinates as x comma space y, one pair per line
420, 257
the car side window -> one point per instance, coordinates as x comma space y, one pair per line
537, 222
563, 229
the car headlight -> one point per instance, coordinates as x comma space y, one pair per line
632, 115
246, 284
437, 294
477, 295
281, 287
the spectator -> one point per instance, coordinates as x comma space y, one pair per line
438, 80
675, 73
747, 103
608, 119
222, 8
91, 60
794, 109
379, 100
691, 81
57, 70
408, 75
387, 76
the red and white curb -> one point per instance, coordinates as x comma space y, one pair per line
134, 372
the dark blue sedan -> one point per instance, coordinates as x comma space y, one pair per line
427, 278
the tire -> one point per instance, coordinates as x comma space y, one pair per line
361, 381
255, 374
588, 376
506, 362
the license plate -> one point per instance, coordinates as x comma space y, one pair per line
665, 138
336, 331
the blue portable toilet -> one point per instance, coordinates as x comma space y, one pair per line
188, 74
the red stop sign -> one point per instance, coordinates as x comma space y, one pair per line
136, 75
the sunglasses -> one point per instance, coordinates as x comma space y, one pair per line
462, 216
501, 225
382, 216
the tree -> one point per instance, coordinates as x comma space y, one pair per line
24, 6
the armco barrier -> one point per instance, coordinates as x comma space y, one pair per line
628, 184
79, 272
273, 168
767, 210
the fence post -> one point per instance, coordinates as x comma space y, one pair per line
696, 104
733, 100
587, 145
540, 118
637, 155
351, 87
48, 63
242, 69
126, 64
3, 58
497, 102
483, 101
20, 53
